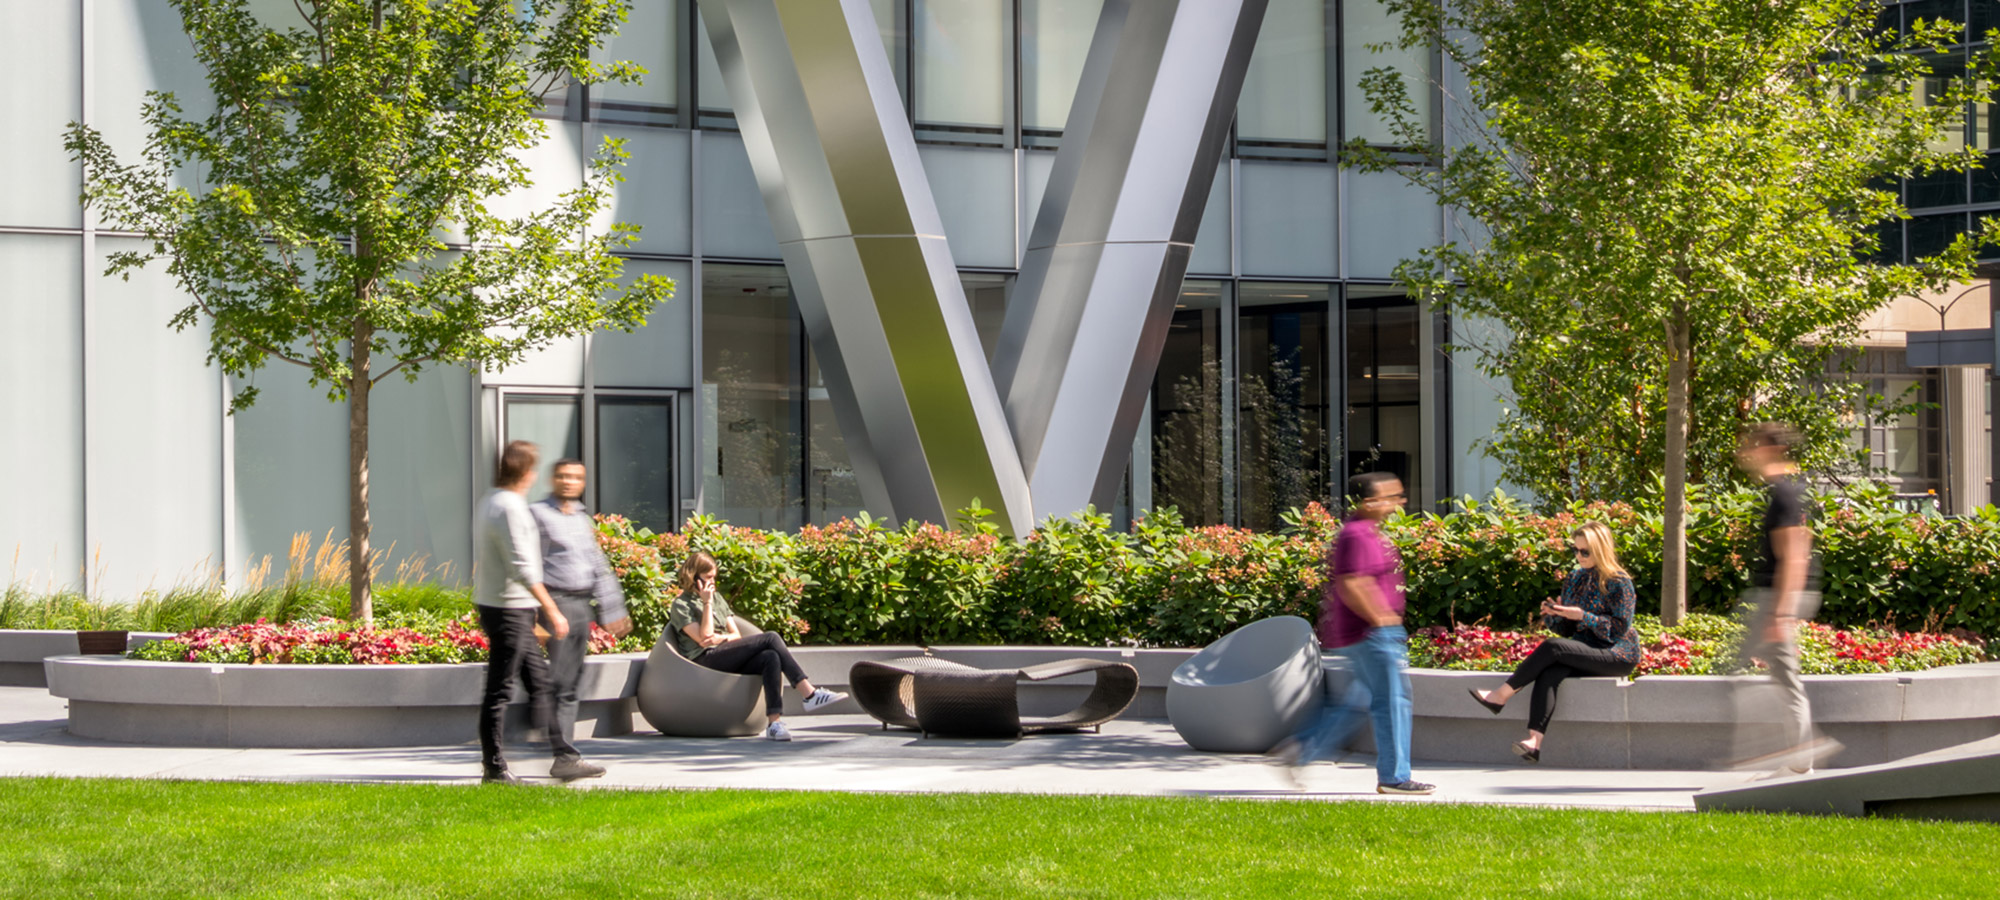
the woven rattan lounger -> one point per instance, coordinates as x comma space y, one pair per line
939, 697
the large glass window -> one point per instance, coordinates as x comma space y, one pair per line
1281, 394
961, 52
1055, 40
753, 366
1187, 408
1365, 23
832, 492
1282, 111
634, 475
554, 422
1384, 393
1903, 449
649, 37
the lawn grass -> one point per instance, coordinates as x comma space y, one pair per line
118, 838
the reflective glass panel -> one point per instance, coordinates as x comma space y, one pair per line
961, 48
553, 423
1187, 408
1281, 408
1384, 396
1367, 23
648, 38
754, 417
635, 460
1055, 40
1282, 111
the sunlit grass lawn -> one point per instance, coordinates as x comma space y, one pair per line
116, 838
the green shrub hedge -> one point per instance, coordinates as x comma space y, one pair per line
1168, 584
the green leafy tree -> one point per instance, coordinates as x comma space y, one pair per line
341, 153
1679, 198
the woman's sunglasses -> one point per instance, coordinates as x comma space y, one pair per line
1580, 551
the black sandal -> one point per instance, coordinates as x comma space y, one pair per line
1491, 706
1527, 753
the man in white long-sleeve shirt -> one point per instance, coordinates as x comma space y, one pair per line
507, 587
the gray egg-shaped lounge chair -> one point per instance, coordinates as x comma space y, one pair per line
683, 698
1250, 689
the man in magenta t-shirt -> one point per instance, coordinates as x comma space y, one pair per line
1361, 618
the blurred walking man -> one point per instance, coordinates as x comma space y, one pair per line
1782, 594
580, 581
507, 587
1361, 618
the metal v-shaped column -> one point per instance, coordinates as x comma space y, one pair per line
1090, 312
863, 243
862, 240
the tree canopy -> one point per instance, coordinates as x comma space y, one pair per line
335, 211
1679, 200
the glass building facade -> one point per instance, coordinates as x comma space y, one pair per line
1291, 362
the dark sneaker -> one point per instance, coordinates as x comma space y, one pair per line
1407, 787
498, 776
572, 768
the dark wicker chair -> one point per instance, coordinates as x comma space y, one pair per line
939, 697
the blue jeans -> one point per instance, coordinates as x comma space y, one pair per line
1380, 662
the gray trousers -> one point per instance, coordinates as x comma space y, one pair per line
566, 665
1781, 659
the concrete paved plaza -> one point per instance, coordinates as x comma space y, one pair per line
851, 753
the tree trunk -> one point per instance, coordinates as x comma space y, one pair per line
1673, 549
360, 597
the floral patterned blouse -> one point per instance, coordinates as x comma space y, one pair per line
1607, 614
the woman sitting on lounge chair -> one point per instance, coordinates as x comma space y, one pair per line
705, 632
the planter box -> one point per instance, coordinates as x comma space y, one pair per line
1690, 721
22, 652
1662, 722
235, 705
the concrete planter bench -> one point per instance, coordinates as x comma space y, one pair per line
1662, 722
22, 652
1687, 721
200, 705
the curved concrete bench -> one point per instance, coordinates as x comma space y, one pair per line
237, 705
1688, 721
22, 652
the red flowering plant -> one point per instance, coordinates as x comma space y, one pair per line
1197, 584
396, 639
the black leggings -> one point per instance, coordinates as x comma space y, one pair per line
759, 654
1553, 661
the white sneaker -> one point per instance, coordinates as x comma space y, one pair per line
777, 732
823, 697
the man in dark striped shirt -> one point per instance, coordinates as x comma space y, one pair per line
580, 581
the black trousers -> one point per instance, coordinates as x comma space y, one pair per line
511, 651
759, 654
1553, 661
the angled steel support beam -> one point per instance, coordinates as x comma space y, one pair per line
1090, 311
864, 246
